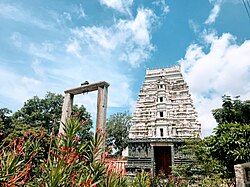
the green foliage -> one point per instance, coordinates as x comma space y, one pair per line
35, 156
70, 161
215, 181
73, 162
214, 157
20, 157
37, 113
114, 179
200, 165
5, 122
233, 111
230, 145
170, 181
142, 179
117, 131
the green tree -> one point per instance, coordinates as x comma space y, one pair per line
117, 131
230, 143
216, 155
233, 111
5, 122
38, 113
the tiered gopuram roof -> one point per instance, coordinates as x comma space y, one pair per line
164, 108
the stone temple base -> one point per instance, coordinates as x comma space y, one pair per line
156, 156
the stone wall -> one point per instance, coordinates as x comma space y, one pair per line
242, 174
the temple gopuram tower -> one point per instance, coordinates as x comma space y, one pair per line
164, 117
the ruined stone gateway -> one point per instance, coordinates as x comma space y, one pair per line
164, 117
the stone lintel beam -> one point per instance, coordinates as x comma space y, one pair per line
87, 88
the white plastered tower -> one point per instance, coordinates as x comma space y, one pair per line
164, 107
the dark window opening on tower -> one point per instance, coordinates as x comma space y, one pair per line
161, 86
161, 99
161, 132
161, 114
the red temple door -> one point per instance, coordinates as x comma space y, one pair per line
163, 160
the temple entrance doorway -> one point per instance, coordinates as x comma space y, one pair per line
163, 160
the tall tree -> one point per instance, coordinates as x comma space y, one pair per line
117, 131
45, 113
38, 112
233, 111
230, 143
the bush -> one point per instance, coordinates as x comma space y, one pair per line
36, 159
63, 161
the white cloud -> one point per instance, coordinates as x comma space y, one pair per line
44, 50
92, 53
164, 7
18, 14
95, 54
18, 88
36, 67
74, 48
81, 12
103, 50
194, 26
122, 6
60, 66
67, 16
224, 69
214, 13
128, 40
16, 38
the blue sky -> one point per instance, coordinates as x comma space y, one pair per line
56, 45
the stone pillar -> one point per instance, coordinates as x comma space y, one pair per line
66, 110
242, 174
153, 161
101, 109
172, 154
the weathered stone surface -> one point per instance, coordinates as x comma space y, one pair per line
101, 108
66, 110
87, 88
242, 174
